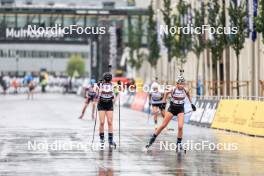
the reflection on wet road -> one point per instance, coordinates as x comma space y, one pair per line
53, 118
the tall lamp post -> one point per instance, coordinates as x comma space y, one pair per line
17, 62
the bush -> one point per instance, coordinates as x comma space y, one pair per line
76, 66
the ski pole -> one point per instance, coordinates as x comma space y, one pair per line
119, 117
94, 125
148, 113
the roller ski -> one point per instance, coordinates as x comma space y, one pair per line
102, 141
180, 150
112, 145
180, 147
102, 145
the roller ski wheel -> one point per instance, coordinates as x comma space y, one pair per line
112, 145
148, 147
102, 145
180, 149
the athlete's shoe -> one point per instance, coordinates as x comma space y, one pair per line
151, 141
179, 147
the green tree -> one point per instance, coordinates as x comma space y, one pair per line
217, 41
182, 42
76, 66
135, 36
138, 43
237, 13
199, 43
167, 38
259, 20
153, 45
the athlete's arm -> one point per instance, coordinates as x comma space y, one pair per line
166, 96
187, 91
190, 98
85, 92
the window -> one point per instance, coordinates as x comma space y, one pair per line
68, 20
91, 21
44, 20
11, 20
21, 21
80, 20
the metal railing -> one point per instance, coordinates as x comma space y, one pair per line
256, 98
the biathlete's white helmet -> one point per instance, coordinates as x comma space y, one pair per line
154, 86
180, 79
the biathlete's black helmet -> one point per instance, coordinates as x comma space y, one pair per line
107, 76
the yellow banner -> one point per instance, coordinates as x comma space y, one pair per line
244, 116
256, 123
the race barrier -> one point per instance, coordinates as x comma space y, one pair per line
129, 100
243, 116
139, 101
256, 124
205, 112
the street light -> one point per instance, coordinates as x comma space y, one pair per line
17, 62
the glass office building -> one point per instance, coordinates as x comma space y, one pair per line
21, 52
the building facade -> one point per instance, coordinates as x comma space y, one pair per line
21, 51
251, 61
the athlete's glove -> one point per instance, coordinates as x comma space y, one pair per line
193, 107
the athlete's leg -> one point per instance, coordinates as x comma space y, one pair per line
101, 126
165, 122
180, 129
180, 124
109, 115
32, 94
102, 121
155, 115
84, 108
162, 111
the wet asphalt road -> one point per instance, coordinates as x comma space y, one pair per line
50, 118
